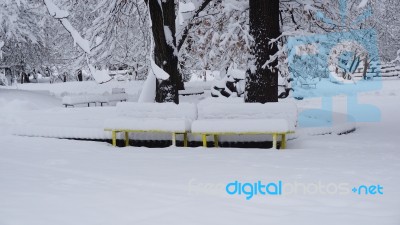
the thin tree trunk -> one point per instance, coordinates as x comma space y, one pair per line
262, 83
366, 65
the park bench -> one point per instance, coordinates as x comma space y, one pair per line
308, 82
72, 100
152, 118
191, 91
216, 119
117, 95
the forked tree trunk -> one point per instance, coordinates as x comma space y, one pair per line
165, 56
262, 84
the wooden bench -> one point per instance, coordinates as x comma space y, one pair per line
72, 100
216, 119
117, 95
311, 85
309, 82
152, 118
191, 91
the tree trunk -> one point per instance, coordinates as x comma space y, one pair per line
262, 83
165, 53
366, 65
80, 77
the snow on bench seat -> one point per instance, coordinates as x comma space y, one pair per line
308, 82
245, 118
149, 124
191, 91
248, 126
240, 110
152, 117
117, 97
72, 100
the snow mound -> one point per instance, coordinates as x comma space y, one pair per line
17, 100
101, 76
17, 105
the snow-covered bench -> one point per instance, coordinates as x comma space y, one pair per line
153, 118
215, 119
191, 91
117, 95
308, 82
72, 100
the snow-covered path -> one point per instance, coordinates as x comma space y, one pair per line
51, 181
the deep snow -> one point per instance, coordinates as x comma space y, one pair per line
51, 181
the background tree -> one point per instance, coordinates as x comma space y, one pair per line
166, 46
21, 37
218, 38
121, 35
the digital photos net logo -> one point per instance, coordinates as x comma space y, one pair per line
277, 188
330, 60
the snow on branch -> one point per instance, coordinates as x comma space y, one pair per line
158, 72
186, 30
54, 11
101, 76
1, 51
362, 4
62, 15
184, 8
169, 39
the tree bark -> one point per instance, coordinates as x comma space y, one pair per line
262, 83
165, 53
366, 65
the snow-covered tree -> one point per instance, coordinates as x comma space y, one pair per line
168, 40
22, 41
218, 38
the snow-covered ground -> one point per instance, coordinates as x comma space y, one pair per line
88, 87
53, 181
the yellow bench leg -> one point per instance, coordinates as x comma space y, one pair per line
173, 139
283, 141
126, 138
185, 139
216, 141
204, 137
274, 140
114, 138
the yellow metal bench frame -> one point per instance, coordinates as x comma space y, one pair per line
274, 137
114, 133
